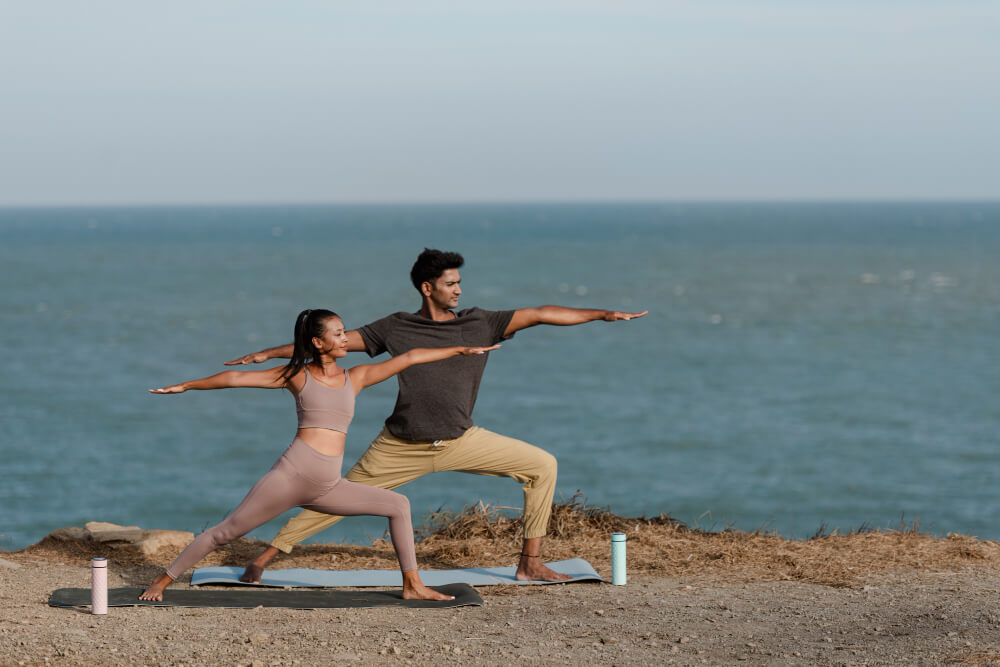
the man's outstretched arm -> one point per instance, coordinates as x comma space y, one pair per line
354, 344
562, 316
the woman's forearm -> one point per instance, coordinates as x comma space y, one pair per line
269, 379
370, 374
424, 355
221, 380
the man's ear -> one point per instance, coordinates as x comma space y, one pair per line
426, 288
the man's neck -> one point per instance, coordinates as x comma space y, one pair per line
430, 311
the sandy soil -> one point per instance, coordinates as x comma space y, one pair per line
908, 617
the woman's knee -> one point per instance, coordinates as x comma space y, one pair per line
396, 505
401, 502
223, 534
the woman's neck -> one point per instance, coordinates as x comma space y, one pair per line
327, 367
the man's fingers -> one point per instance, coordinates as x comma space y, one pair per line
241, 361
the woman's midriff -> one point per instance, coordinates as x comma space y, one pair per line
324, 440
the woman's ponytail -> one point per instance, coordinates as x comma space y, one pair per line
308, 325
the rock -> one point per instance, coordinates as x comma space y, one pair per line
69, 534
154, 540
101, 531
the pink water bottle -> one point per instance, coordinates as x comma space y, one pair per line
99, 586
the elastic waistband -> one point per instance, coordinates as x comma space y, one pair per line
431, 445
301, 454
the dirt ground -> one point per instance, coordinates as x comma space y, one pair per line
721, 615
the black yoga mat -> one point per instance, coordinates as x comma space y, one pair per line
248, 599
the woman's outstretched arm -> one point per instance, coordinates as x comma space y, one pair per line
269, 379
368, 374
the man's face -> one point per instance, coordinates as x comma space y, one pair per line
444, 292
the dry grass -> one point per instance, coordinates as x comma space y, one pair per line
483, 535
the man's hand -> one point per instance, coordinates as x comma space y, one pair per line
615, 315
255, 358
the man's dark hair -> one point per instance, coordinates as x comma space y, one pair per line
431, 264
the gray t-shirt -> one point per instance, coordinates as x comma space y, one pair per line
435, 400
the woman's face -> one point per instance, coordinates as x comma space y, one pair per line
334, 339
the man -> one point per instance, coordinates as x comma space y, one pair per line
431, 427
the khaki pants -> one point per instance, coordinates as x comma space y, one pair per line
391, 462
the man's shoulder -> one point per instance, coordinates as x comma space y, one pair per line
389, 319
481, 316
405, 320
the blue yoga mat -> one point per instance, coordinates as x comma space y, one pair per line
577, 568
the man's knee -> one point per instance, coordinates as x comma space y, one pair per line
548, 464
545, 465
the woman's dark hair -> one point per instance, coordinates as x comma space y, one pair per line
431, 264
308, 325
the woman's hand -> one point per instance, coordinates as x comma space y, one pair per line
466, 351
172, 389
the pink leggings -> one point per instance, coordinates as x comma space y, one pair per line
303, 477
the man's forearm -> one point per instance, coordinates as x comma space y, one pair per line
280, 352
564, 316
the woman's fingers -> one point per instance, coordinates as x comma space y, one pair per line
478, 350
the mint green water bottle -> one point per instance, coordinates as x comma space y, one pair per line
618, 559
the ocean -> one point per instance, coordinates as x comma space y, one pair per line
804, 367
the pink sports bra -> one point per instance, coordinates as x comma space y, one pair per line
319, 406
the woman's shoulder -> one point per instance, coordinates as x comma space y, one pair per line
297, 380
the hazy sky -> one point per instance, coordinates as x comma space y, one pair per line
326, 101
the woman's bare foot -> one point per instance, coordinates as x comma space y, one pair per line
414, 589
255, 570
155, 590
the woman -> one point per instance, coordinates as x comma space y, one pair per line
308, 473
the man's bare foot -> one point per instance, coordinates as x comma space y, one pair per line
531, 568
155, 590
414, 589
255, 570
